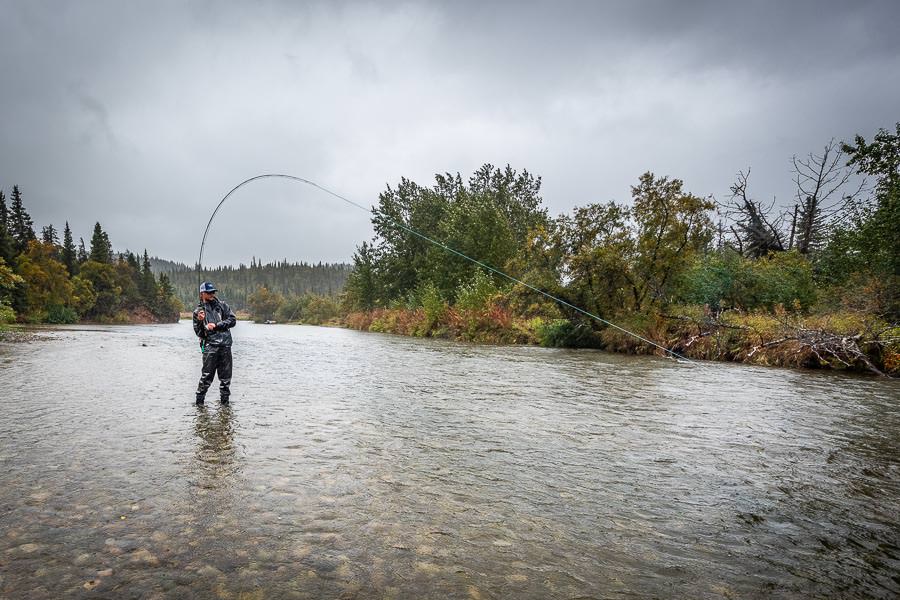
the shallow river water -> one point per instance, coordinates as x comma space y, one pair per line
355, 465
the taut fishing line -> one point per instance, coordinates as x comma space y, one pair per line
427, 239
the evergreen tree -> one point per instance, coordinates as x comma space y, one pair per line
20, 224
134, 268
361, 289
82, 253
68, 255
147, 284
6, 241
49, 235
100, 247
166, 306
108, 244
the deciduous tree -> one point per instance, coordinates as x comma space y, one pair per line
46, 281
264, 303
671, 228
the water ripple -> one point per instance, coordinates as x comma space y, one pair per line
363, 465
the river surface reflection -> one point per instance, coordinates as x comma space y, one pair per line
355, 465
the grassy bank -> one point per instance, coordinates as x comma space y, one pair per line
842, 341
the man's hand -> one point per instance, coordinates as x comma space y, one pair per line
201, 315
210, 326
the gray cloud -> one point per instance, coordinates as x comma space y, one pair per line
143, 116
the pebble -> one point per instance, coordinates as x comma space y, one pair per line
428, 567
144, 556
209, 571
168, 584
159, 536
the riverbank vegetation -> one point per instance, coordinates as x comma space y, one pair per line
45, 280
308, 309
814, 284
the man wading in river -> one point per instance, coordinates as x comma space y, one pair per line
212, 321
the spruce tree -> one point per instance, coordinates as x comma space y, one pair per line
109, 248
148, 281
82, 253
20, 224
165, 305
68, 254
6, 241
100, 247
134, 268
134, 265
49, 235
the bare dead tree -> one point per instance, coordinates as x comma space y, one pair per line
823, 194
757, 231
830, 348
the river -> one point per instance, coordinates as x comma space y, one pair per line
359, 465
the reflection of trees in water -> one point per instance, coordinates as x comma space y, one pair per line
215, 452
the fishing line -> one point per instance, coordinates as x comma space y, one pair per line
421, 235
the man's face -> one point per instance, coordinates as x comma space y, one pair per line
206, 296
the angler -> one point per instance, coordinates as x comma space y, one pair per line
212, 321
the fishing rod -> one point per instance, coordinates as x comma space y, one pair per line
421, 235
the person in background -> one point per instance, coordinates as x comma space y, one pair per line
213, 320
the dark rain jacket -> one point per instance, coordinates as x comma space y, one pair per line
219, 313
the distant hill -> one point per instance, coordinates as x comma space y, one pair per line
237, 283
161, 265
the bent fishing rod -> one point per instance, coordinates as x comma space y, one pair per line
419, 234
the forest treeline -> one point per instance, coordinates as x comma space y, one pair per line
285, 280
814, 283
45, 280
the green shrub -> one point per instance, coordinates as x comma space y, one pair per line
713, 280
429, 297
562, 333
725, 280
7, 314
784, 278
292, 309
476, 293
61, 315
321, 309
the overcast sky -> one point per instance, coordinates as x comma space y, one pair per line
142, 115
